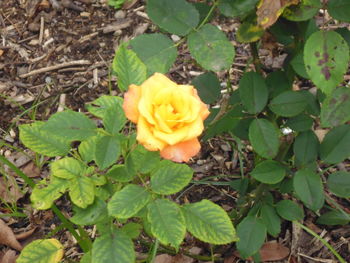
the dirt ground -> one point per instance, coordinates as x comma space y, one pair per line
57, 54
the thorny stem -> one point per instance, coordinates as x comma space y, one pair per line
251, 198
83, 240
324, 242
256, 59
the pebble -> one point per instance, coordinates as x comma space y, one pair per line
175, 38
120, 14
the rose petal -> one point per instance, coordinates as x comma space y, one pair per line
182, 151
131, 100
146, 137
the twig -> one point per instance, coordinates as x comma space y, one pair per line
41, 34
54, 67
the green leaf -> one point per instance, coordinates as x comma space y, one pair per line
71, 126
86, 258
157, 51
114, 119
41, 141
326, 57
339, 184
211, 48
249, 32
271, 219
113, 248
277, 82
336, 107
298, 65
289, 210
107, 151
237, 8
253, 92
128, 201
120, 173
132, 230
308, 187
129, 68
99, 106
263, 136
170, 178
305, 147
335, 147
334, 217
82, 191
67, 168
313, 105
94, 213
177, 17
209, 223
339, 9
269, 172
167, 222
142, 160
87, 149
208, 87
43, 197
251, 233
288, 103
42, 251
303, 11
300, 123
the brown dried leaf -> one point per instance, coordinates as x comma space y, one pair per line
9, 190
165, 258
7, 237
272, 251
9, 257
269, 11
25, 235
31, 170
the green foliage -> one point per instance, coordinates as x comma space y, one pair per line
251, 233
124, 189
208, 87
156, 51
308, 187
170, 178
326, 57
42, 251
263, 136
253, 92
129, 68
163, 213
209, 222
177, 17
211, 48
339, 184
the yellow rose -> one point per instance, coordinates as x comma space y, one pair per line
169, 117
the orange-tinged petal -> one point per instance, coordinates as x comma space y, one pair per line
131, 100
145, 136
182, 151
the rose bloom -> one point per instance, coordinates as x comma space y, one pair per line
169, 117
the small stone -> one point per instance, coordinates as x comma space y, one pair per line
85, 14
120, 14
8, 138
34, 27
175, 38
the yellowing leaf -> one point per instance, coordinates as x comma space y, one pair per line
42, 251
269, 11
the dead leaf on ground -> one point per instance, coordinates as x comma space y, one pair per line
25, 235
9, 257
9, 190
129, 4
7, 237
272, 251
31, 170
269, 11
165, 258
